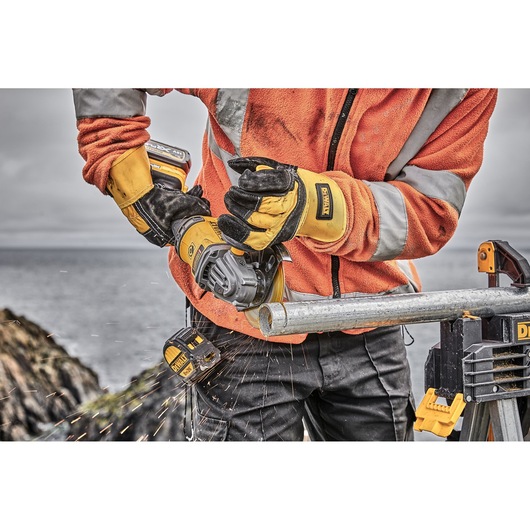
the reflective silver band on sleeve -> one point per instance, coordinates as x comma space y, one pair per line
109, 102
231, 107
393, 220
442, 185
440, 103
391, 207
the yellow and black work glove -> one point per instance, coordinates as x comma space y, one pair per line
275, 202
152, 200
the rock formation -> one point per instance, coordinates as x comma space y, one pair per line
149, 409
45, 394
40, 384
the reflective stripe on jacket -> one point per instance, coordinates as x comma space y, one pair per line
403, 158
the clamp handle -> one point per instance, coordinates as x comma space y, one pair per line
496, 257
437, 418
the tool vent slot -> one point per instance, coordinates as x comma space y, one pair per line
495, 373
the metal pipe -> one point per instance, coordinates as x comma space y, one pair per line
286, 318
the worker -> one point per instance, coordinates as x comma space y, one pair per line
356, 183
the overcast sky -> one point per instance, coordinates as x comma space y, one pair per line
45, 202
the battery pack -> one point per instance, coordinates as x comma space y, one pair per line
168, 154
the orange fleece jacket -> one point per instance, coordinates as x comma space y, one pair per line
296, 126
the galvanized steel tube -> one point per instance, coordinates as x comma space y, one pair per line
286, 318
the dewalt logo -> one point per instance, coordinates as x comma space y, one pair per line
179, 362
325, 201
523, 331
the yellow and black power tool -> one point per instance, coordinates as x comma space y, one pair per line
244, 279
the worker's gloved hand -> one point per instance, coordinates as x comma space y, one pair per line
199, 243
152, 200
244, 279
275, 202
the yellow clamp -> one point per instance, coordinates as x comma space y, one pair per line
486, 258
436, 418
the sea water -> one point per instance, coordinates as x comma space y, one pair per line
111, 309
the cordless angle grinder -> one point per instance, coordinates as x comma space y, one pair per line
244, 279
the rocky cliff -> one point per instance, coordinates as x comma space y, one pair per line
45, 394
149, 409
40, 384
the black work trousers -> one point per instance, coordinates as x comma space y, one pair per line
340, 386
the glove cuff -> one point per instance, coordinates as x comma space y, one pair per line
130, 177
325, 214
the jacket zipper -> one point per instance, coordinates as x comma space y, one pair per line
332, 153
